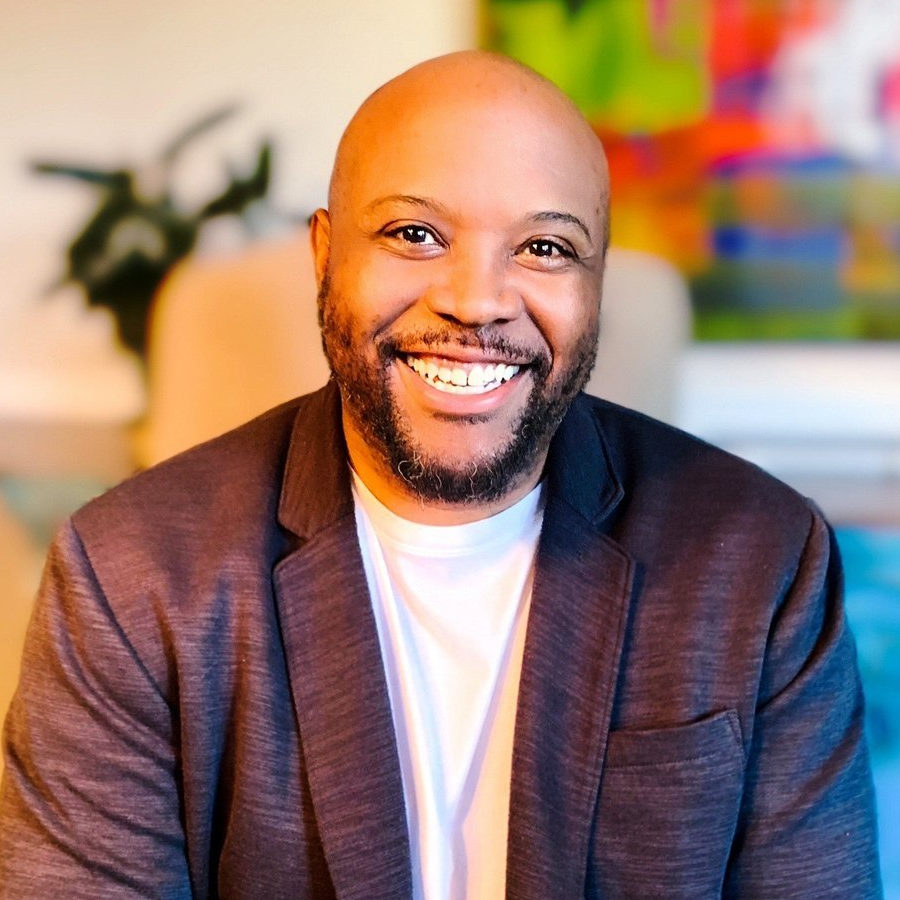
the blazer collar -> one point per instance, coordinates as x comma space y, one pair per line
316, 488
315, 491
580, 468
572, 651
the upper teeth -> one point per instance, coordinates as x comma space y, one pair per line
475, 379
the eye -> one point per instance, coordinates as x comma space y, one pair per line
413, 234
546, 248
544, 254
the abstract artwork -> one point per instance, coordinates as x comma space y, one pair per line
754, 143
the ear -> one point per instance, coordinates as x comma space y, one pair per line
320, 241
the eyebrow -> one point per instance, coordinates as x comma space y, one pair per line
568, 218
410, 200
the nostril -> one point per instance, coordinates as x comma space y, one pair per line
469, 320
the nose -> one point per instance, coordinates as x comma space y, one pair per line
477, 290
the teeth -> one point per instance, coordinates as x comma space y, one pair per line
457, 380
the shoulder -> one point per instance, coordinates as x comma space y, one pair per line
180, 553
678, 479
223, 493
718, 543
216, 474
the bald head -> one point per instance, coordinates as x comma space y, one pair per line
463, 88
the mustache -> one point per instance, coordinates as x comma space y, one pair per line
486, 338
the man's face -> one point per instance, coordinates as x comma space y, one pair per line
460, 278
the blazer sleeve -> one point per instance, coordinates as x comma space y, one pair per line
90, 800
807, 822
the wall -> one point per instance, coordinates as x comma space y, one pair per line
103, 82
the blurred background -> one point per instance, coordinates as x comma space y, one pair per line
158, 162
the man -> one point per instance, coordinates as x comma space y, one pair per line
446, 628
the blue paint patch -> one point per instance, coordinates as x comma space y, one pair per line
808, 246
872, 572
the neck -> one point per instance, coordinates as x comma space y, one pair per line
391, 490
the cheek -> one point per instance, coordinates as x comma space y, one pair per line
380, 288
567, 313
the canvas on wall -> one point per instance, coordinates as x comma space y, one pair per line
754, 143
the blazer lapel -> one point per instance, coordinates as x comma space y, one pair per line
335, 668
573, 646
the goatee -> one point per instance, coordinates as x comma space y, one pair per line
368, 400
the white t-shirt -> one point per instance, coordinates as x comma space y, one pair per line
451, 605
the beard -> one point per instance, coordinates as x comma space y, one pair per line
368, 400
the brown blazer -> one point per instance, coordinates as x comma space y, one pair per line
203, 711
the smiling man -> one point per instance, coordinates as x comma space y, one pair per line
460, 266
446, 629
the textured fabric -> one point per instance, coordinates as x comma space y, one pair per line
203, 711
451, 605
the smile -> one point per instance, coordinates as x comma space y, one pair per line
454, 377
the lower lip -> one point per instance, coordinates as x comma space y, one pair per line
438, 401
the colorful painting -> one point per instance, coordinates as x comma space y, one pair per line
754, 143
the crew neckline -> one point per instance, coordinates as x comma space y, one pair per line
418, 538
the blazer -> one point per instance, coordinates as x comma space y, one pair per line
203, 710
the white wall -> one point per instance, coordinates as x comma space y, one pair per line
823, 417
798, 408
104, 82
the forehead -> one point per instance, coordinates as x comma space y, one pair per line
489, 155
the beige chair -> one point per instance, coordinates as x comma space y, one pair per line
645, 329
232, 337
